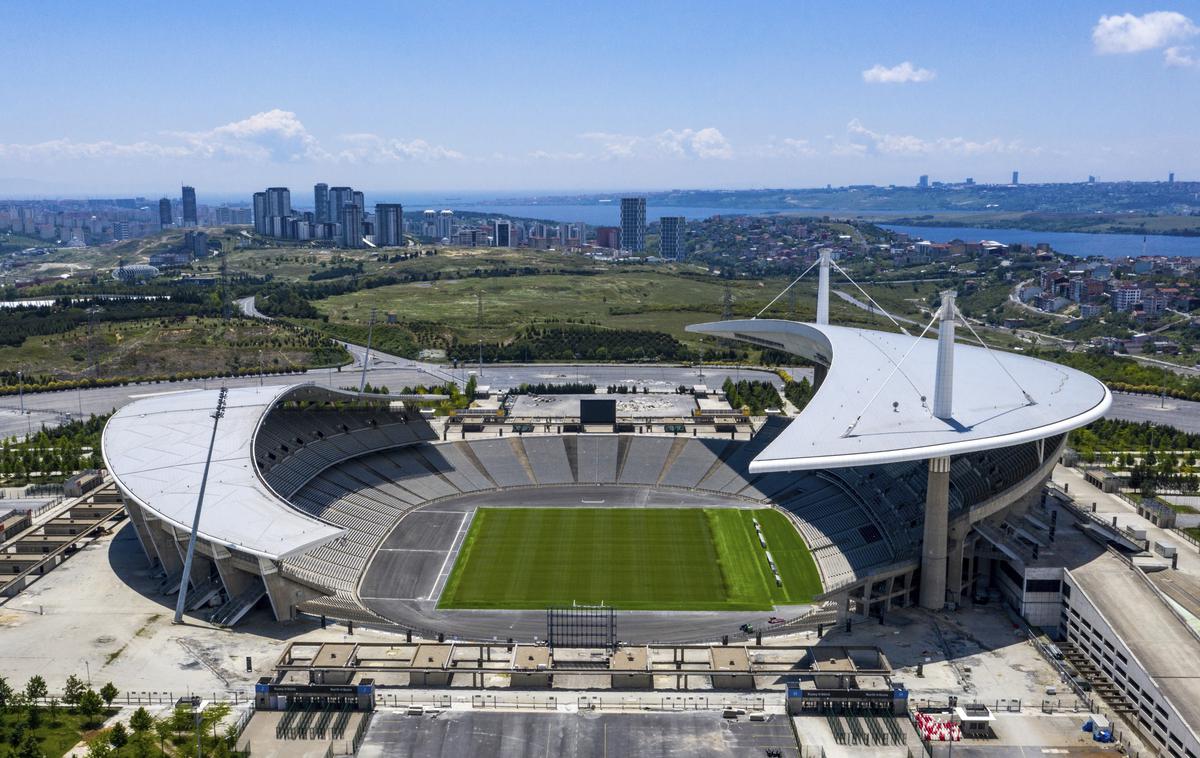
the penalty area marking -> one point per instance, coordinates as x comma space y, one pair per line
592, 502
442, 576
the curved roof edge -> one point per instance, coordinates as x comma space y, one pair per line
155, 449
872, 406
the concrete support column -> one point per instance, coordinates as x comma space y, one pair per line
141, 530
891, 589
162, 536
934, 545
236, 580
954, 569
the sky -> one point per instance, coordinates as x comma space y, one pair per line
520, 97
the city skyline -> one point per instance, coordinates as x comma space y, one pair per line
724, 100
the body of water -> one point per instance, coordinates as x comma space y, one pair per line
601, 214
1074, 243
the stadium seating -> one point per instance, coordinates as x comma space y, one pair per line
364, 470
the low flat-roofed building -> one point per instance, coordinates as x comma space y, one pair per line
734, 663
531, 666
631, 669
333, 663
431, 657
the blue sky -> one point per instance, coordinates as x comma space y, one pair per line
521, 96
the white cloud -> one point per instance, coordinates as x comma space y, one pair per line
1180, 57
613, 145
372, 148
702, 143
706, 143
1128, 33
785, 147
861, 140
72, 150
274, 136
901, 73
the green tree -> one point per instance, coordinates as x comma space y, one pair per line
99, 747
141, 721
35, 688
90, 704
164, 729
6, 693
118, 736
72, 690
109, 692
28, 747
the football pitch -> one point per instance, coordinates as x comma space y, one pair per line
679, 559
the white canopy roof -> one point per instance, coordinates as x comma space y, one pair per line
155, 449
867, 411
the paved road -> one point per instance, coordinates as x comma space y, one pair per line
404, 580
1181, 414
576, 735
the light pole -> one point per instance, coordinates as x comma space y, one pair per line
191, 549
198, 714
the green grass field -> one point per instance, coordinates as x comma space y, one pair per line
682, 559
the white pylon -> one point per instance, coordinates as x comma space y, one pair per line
943, 383
823, 287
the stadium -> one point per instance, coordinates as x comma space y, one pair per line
914, 477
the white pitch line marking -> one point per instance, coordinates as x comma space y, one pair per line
409, 550
440, 582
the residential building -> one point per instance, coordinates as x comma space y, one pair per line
633, 224
189, 206
279, 202
501, 233
445, 224
260, 213
672, 237
165, 215
352, 222
389, 224
321, 203
338, 198
608, 236
923, 181
1125, 297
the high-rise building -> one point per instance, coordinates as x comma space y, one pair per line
189, 206
321, 202
339, 197
1016, 177
165, 216
501, 233
429, 224
923, 182
352, 222
260, 212
608, 236
671, 237
633, 224
389, 224
279, 202
358, 199
445, 224
1171, 178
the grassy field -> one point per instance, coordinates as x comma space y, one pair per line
629, 558
660, 300
155, 347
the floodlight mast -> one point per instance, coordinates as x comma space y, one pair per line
191, 549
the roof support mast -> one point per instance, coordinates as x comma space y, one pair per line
943, 383
823, 287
